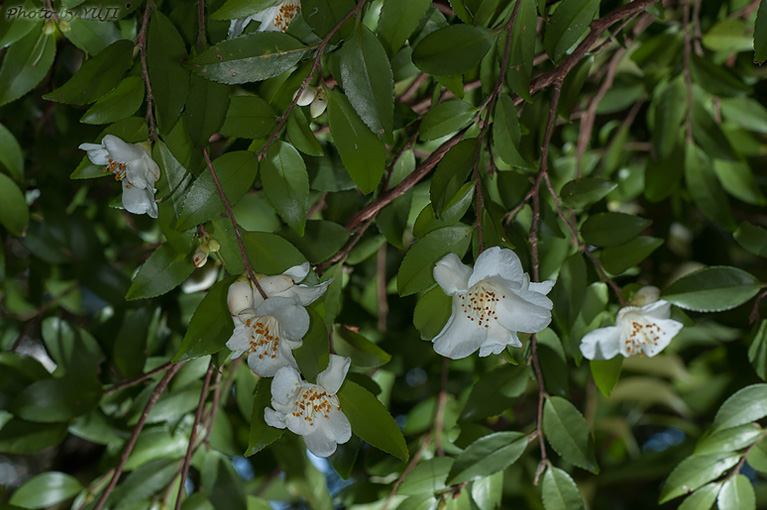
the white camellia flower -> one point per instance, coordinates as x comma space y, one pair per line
131, 164
491, 304
268, 330
642, 328
311, 410
276, 18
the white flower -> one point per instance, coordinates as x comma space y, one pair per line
320, 103
491, 303
311, 410
276, 18
132, 165
642, 330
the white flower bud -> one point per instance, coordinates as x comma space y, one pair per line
319, 104
240, 297
200, 257
646, 295
306, 97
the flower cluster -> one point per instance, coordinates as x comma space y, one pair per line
276, 18
267, 330
131, 164
316, 98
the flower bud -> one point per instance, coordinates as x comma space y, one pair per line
273, 285
200, 257
646, 295
49, 28
306, 97
319, 104
240, 297
64, 26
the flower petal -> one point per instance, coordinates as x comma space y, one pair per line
667, 330
293, 319
320, 444
96, 153
267, 366
541, 287
451, 274
495, 261
239, 342
660, 309
524, 311
121, 151
274, 418
308, 294
240, 297
298, 273
285, 385
139, 201
460, 337
497, 339
602, 343
299, 425
333, 376
267, 19
237, 26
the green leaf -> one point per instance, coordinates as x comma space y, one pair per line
454, 210
170, 80
14, 214
757, 353
745, 112
144, 482
163, 271
606, 373
568, 23
74, 350
728, 440
371, 421
612, 228
523, 38
56, 400
122, 102
398, 21
696, 471
286, 184
301, 136
495, 391
729, 36
233, 9
312, 356
487, 455
19, 437
617, 259
737, 494
252, 57
249, 117
669, 105
506, 133
744, 406
268, 253
702, 499
427, 477
760, 34
415, 272
362, 351
321, 240
559, 491
323, 15
205, 109
579, 193
431, 313
211, 325
452, 50
451, 173
261, 434
445, 119
362, 153
25, 65
662, 178
11, 156
236, 172
705, 189
368, 80
97, 76
712, 289
737, 179
46, 490
568, 433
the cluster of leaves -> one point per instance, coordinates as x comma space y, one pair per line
609, 144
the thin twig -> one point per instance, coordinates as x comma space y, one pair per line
320, 205
742, 461
159, 389
230, 213
412, 88
346, 249
752, 318
145, 72
383, 305
200, 25
413, 462
214, 410
139, 379
197, 418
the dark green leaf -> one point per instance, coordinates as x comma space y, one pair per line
233, 9
444, 119
568, 23
760, 34
46, 490
427, 477
205, 109
19, 437
14, 214
702, 499
321, 240
712, 289
568, 433
249, 117
261, 434
495, 391
694, 472
487, 455
559, 491
454, 210
431, 313
451, 173
579, 193
323, 15
617, 259
11, 156
728, 440
163, 271
25, 65
738, 180
705, 189
362, 351
452, 50
122, 102
169, 78
286, 184
670, 106
506, 133
744, 406
606, 373
312, 356
520, 67
415, 272
612, 228
399, 18
757, 353
737, 494
56, 400
74, 350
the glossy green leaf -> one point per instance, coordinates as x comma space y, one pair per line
170, 80
579, 193
25, 65
702, 499
696, 471
362, 153
445, 119
606, 373
728, 440
255, 56
454, 210
617, 259
506, 133
73, 349
236, 172
14, 214
261, 434
163, 271
233, 9
705, 189
368, 80
249, 117
301, 136
96, 77
612, 228
144, 482
568, 433
371, 421
286, 184
432, 312
211, 325
738, 180
452, 172
427, 477
323, 15
737, 494
760, 34
452, 50
495, 391
523, 38
205, 109
312, 356
559, 491
56, 400
362, 351
569, 22
118, 104
268, 253
487, 455
415, 272
744, 406
321, 240
745, 112
46, 490
670, 106
757, 352
19, 437
11, 156
712, 289
399, 18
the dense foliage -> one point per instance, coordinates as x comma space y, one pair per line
352, 157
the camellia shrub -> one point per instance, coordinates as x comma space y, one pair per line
383, 254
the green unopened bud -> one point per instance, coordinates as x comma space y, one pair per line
64, 26
49, 28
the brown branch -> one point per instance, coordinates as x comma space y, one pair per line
412, 88
752, 318
230, 213
197, 417
320, 205
742, 461
200, 26
214, 410
309, 78
423, 105
413, 462
139, 379
345, 251
159, 389
145, 72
